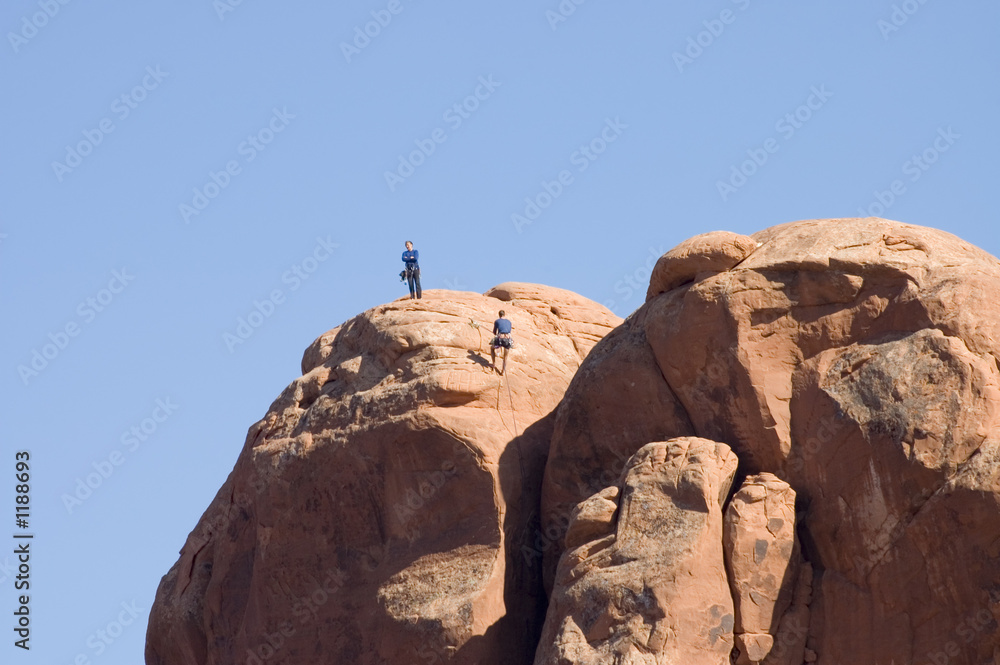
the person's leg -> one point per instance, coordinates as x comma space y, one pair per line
416, 278
409, 282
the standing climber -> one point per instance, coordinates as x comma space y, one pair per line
412, 270
501, 338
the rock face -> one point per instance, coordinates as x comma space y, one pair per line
378, 512
650, 586
399, 503
855, 360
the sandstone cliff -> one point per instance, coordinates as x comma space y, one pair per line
789, 454
378, 511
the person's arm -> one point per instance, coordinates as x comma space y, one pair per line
404, 256
416, 256
495, 327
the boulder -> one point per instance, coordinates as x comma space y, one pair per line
650, 586
761, 560
713, 252
855, 360
380, 511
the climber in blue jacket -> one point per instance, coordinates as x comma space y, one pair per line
412, 269
501, 339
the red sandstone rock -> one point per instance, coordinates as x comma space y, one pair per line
789, 647
651, 586
383, 510
761, 560
378, 511
698, 257
857, 360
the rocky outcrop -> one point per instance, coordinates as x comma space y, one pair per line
400, 503
378, 511
855, 360
762, 560
650, 585
698, 257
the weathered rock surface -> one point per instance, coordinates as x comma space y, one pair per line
700, 256
789, 644
762, 561
378, 511
845, 372
650, 585
856, 360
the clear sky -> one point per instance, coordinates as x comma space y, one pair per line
171, 168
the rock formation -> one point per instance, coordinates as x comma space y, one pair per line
762, 560
400, 504
649, 587
378, 511
855, 360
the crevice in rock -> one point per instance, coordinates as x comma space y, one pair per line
191, 568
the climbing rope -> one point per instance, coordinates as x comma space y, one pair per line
497, 407
510, 398
512, 414
475, 324
517, 444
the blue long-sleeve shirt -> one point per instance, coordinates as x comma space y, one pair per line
410, 258
501, 327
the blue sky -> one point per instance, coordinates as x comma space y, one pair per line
169, 169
